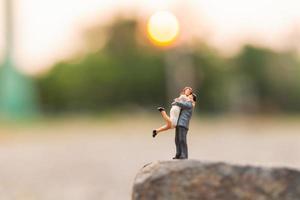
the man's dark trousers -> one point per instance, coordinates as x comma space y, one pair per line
180, 141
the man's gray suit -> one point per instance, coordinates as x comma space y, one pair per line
182, 128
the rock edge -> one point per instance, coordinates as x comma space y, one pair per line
196, 180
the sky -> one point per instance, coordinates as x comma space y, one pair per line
49, 30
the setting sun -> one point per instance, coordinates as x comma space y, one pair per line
163, 28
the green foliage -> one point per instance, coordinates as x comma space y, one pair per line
127, 71
273, 77
212, 76
118, 75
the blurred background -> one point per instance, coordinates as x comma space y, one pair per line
80, 82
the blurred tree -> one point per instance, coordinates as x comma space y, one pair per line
122, 73
122, 70
213, 76
271, 78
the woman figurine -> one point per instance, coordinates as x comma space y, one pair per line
171, 122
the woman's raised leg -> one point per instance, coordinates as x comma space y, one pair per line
166, 117
163, 128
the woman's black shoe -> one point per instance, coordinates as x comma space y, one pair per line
154, 133
160, 109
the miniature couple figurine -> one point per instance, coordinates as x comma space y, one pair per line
180, 115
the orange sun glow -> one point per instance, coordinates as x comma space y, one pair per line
163, 28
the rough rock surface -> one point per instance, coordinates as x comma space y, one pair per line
195, 180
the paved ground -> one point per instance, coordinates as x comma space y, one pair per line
98, 159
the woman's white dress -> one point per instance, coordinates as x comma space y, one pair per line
174, 115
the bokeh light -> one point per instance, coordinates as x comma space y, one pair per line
163, 28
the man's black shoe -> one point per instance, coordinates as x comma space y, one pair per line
160, 109
182, 157
154, 133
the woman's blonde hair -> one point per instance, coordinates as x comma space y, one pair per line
185, 88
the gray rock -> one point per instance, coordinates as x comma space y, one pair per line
195, 180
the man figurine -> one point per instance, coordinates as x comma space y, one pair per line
180, 115
182, 127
